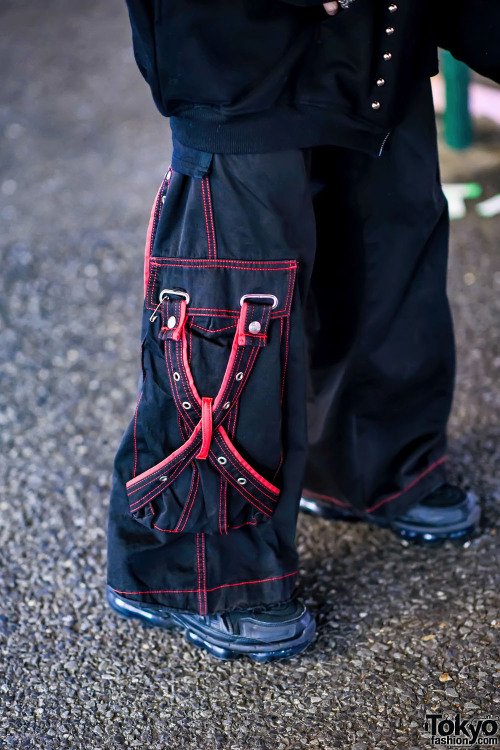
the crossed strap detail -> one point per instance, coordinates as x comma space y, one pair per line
203, 416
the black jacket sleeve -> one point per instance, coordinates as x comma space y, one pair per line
470, 30
142, 21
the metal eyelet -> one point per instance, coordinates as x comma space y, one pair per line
222, 460
227, 405
387, 56
177, 376
239, 376
241, 480
186, 405
171, 322
163, 479
389, 30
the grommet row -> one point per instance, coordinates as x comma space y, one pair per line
239, 376
186, 405
222, 460
163, 479
177, 376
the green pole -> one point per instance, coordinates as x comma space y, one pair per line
457, 121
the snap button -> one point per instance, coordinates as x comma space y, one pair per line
163, 479
239, 376
186, 405
254, 326
392, 8
375, 105
241, 480
177, 376
171, 322
387, 56
389, 30
222, 460
227, 405
380, 81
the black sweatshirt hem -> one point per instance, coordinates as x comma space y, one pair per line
276, 129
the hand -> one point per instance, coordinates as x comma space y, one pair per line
331, 8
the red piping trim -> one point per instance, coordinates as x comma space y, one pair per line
167, 460
135, 434
195, 591
239, 458
412, 484
206, 427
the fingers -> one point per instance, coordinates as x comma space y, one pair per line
331, 7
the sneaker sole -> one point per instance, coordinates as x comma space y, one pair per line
281, 651
408, 533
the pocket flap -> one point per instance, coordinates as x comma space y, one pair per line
216, 286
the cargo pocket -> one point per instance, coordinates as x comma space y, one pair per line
208, 426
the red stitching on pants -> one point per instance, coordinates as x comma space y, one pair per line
204, 573
195, 472
263, 508
175, 394
211, 330
255, 478
192, 500
199, 572
325, 497
267, 265
206, 217
188, 506
412, 484
197, 591
211, 213
135, 435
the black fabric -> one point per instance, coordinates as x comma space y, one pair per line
247, 76
359, 345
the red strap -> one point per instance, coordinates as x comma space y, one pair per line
206, 426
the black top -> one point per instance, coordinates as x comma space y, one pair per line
241, 76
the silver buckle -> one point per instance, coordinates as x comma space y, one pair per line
260, 296
165, 293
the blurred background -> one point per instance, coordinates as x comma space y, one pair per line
83, 151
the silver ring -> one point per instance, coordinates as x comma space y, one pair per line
166, 292
260, 296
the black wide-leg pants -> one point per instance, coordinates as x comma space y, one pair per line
296, 339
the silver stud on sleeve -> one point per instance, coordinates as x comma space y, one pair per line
375, 105
389, 30
380, 81
387, 56
392, 8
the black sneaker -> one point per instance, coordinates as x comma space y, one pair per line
445, 513
263, 633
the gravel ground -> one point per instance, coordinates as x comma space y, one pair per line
401, 630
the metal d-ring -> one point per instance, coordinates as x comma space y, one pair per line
164, 294
260, 296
